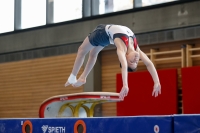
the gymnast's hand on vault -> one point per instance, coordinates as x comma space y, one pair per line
156, 89
124, 92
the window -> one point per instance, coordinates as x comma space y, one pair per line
107, 6
125, 5
67, 10
150, 2
6, 15
33, 13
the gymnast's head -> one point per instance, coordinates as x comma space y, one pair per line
132, 61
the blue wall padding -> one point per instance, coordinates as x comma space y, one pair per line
136, 124
187, 123
93, 125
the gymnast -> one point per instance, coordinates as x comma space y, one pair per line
128, 53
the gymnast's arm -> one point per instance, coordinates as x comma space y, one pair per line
151, 68
122, 58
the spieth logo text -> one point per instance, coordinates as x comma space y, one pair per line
48, 129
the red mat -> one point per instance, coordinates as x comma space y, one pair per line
191, 90
140, 100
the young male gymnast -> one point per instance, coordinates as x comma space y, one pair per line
128, 53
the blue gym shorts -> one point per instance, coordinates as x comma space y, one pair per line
99, 37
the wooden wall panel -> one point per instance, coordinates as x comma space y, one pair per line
110, 67
25, 84
196, 61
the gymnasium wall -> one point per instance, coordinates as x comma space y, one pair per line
26, 84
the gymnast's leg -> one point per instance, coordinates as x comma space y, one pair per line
90, 64
85, 47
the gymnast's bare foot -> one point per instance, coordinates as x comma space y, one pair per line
67, 83
79, 82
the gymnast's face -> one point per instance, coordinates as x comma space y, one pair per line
132, 59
